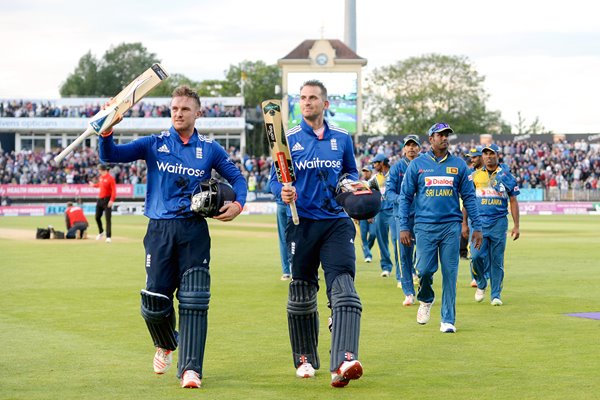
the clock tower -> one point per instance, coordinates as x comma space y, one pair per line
338, 67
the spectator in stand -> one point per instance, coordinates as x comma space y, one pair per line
77, 223
106, 199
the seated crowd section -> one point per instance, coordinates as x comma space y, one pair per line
49, 109
564, 165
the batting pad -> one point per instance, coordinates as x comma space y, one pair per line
158, 312
303, 323
193, 296
347, 309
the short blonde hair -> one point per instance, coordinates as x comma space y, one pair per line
186, 91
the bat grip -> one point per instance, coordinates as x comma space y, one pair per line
293, 209
88, 132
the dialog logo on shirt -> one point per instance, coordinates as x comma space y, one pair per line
439, 181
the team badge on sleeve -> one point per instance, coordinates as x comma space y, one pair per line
452, 170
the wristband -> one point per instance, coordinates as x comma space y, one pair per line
107, 133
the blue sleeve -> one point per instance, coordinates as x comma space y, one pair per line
349, 162
467, 194
123, 153
407, 195
274, 185
227, 169
392, 186
511, 185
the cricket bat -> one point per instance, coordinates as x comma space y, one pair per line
280, 151
122, 102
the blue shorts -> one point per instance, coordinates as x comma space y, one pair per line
172, 247
328, 242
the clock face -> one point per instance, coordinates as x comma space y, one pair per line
322, 59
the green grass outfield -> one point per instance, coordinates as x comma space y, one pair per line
70, 326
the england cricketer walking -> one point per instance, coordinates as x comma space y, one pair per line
177, 242
434, 182
321, 154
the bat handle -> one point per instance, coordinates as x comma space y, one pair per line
88, 132
294, 210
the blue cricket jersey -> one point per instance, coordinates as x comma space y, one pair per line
493, 190
394, 183
318, 164
434, 185
175, 169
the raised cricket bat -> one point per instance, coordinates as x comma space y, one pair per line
122, 102
280, 151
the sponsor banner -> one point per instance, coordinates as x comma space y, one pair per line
15, 211
59, 191
125, 208
531, 195
204, 125
260, 196
260, 208
552, 208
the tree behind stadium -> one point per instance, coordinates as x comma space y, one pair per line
107, 76
410, 95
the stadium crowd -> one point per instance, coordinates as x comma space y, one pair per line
563, 165
31, 109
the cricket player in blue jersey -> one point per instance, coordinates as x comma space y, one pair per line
180, 195
434, 182
367, 227
404, 274
474, 155
321, 155
495, 187
384, 220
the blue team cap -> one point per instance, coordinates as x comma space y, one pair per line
439, 128
379, 158
493, 147
474, 152
412, 138
367, 168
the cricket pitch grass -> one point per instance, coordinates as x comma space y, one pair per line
70, 324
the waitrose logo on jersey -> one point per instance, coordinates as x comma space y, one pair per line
439, 181
178, 169
317, 163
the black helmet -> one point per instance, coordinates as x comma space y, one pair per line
212, 196
359, 199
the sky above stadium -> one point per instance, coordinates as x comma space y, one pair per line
539, 58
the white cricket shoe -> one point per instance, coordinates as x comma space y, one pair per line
385, 274
100, 236
368, 259
108, 240
305, 370
191, 380
479, 295
162, 360
347, 371
409, 300
286, 277
447, 328
496, 302
424, 312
